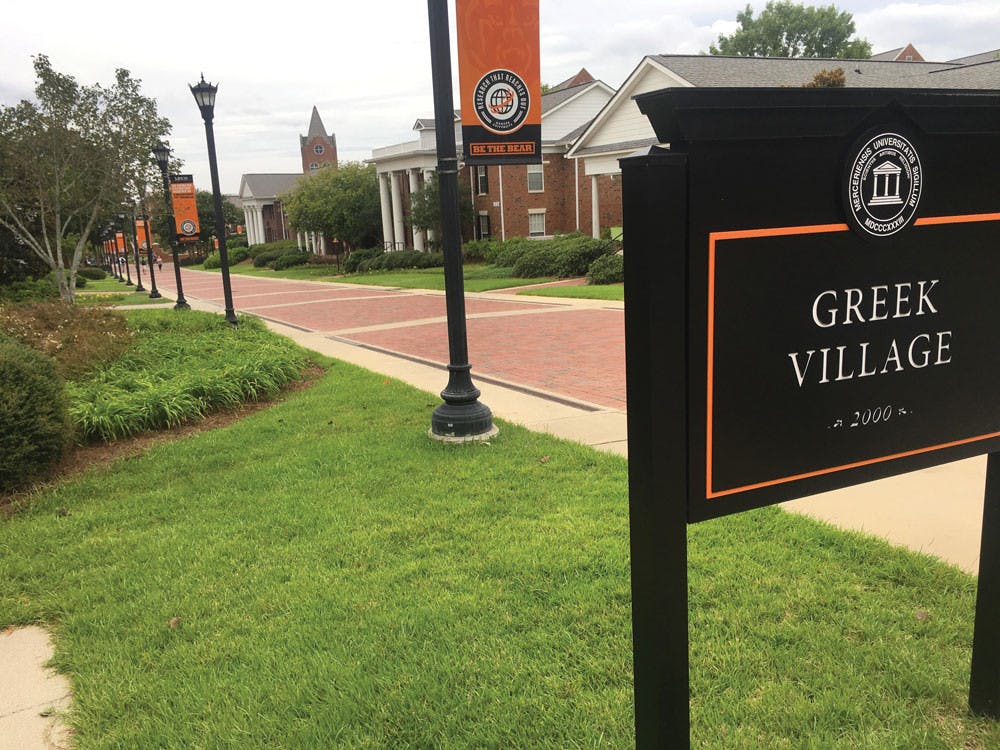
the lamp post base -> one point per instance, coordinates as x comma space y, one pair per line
462, 418
182, 306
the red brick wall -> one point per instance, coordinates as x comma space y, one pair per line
328, 157
558, 198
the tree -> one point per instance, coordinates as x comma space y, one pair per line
785, 29
426, 207
69, 159
827, 79
341, 202
205, 201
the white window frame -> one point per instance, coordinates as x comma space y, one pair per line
318, 149
482, 177
313, 166
536, 169
532, 212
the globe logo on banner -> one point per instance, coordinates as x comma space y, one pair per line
501, 101
188, 227
884, 184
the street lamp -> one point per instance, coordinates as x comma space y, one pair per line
462, 417
161, 152
135, 251
204, 95
124, 256
154, 293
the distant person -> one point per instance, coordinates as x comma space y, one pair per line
159, 264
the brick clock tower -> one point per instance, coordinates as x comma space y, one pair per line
318, 148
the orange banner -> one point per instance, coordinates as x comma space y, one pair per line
185, 207
140, 232
120, 241
499, 67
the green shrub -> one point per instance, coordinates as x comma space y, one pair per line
356, 257
608, 269
402, 259
214, 260
294, 258
506, 254
79, 339
478, 251
263, 258
236, 241
30, 290
80, 282
564, 256
190, 260
324, 260
34, 417
94, 274
266, 247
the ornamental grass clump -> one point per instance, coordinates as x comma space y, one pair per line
180, 368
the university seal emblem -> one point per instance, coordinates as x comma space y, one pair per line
501, 101
884, 183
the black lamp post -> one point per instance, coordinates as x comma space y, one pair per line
161, 152
204, 94
154, 293
124, 256
461, 417
125, 218
135, 251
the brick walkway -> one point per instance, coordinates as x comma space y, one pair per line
568, 347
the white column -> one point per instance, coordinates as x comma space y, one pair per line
418, 236
428, 176
261, 234
595, 208
398, 227
383, 194
246, 225
503, 226
322, 244
298, 240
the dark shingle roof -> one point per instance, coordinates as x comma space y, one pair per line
269, 185
717, 70
980, 58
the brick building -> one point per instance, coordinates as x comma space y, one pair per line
511, 200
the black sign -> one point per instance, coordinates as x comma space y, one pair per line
811, 303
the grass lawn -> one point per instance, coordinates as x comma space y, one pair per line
478, 277
322, 575
588, 291
86, 297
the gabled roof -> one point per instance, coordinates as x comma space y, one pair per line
900, 54
428, 123
266, 186
980, 58
888, 55
558, 97
316, 125
580, 78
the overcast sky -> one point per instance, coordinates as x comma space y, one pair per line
366, 65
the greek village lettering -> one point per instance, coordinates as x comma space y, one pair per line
872, 305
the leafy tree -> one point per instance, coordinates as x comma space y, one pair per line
784, 29
231, 216
69, 159
426, 207
340, 202
17, 262
827, 79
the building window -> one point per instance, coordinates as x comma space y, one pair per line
536, 223
482, 181
483, 226
313, 166
536, 180
318, 148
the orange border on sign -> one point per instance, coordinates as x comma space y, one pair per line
714, 237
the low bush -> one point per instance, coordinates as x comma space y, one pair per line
261, 259
294, 258
565, 256
608, 269
34, 417
179, 368
477, 251
234, 256
29, 290
356, 257
94, 274
190, 260
324, 260
265, 247
402, 259
79, 339
236, 241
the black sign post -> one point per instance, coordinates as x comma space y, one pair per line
810, 304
